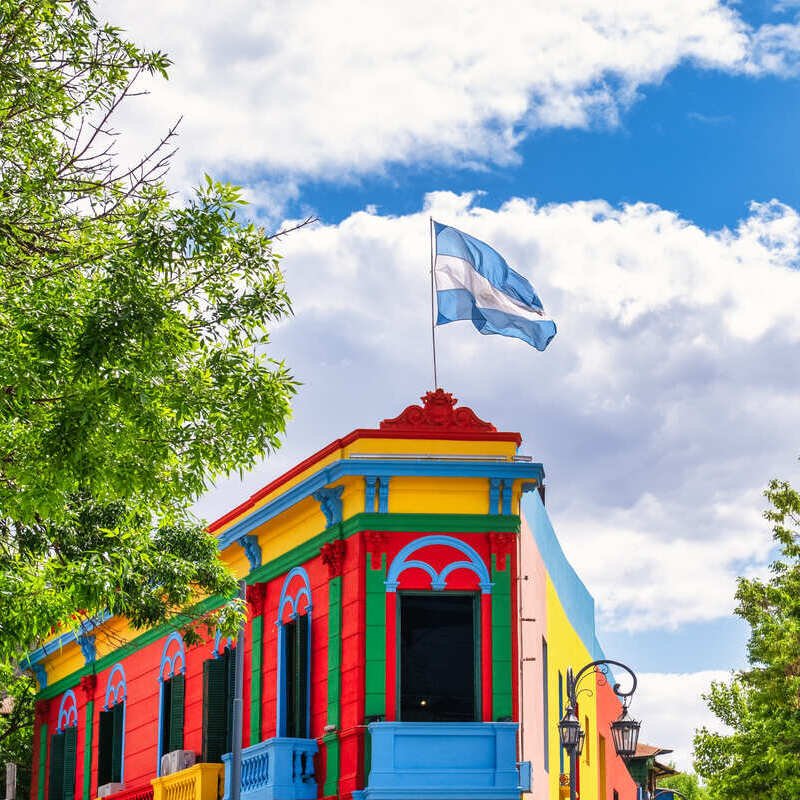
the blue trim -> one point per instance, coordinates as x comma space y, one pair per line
252, 549
280, 683
330, 503
88, 647
383, 495
159, 752
379, 468
507, 487
171, 663
65, 712
115, 692
370, 482
53, 646
494, 495
41, 674
438, 580
217, 639
578, 604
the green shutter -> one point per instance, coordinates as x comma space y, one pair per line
42, 761
118, 715
70, 756
56, 790
256, 628
214, 711
302, 676
230, 678
87, 751
105, 746
177, 691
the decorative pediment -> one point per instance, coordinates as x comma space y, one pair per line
437, 414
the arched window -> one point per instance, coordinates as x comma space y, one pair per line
439, 588
63, 750
294, 648
171, 696
111, 743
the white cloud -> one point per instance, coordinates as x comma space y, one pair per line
671, 709
341, 88
660, 411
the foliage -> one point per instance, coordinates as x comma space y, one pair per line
132, 340
16, 728
686, 784
760, 757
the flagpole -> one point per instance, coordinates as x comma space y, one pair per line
433, 307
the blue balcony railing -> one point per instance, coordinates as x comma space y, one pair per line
442, 760
277, 769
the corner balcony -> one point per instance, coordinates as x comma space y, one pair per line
277, 769
200, 782
443, 761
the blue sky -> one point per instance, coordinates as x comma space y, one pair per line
637, 160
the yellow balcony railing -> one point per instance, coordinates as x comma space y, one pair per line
200, 782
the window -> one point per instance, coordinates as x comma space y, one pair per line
438, 658
218, 690
294, 655
109, 753
63, 749
296, 666
172, 698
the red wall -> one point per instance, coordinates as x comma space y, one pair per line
617, 776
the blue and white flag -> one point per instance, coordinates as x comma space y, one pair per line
473, 281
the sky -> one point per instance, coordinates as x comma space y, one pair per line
636, 160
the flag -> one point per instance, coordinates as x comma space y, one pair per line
473, 281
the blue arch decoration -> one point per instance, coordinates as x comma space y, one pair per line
293, 601
173, 662
401, 563
228, 642
116, 687
67, 712
173, 657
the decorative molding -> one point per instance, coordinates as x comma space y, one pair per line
506, 497
116, 688
88, 684
173, 657
370, 485
330, 502
383, 495
218, 640
67, 711
88, 647
332, 554
437, 413
401, 563
41, 674
256, 594
40, 709
502, 545
494, 495
293, 599
376, 545
252, 549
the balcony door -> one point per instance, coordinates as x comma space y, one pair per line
438, 655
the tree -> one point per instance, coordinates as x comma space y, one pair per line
686, 784
760, 757
132, 341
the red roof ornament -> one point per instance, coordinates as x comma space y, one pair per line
437, 413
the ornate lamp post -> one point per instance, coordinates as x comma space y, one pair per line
624, 731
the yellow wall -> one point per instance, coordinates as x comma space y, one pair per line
565, 649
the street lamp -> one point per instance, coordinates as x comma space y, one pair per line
624, 731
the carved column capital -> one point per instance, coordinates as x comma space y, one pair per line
502, 545
88, 684
256, 595
333, 557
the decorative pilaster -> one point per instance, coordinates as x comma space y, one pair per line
88, 686
252, 549
332, 555
502, 548
88, 647
370, 484
40, 719
494, 495
256, 596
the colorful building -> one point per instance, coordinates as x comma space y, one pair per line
411, 619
